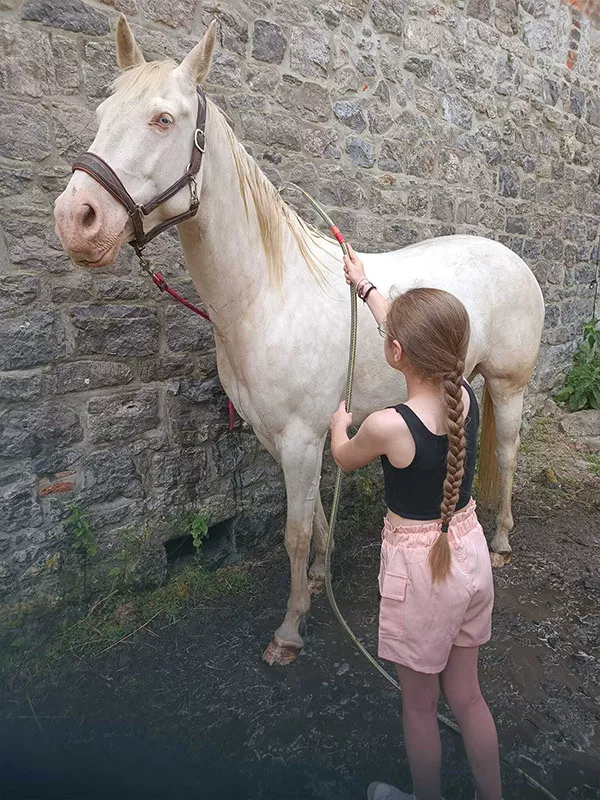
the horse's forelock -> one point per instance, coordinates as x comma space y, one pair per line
136, 81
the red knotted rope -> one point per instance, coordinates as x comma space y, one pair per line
158, 280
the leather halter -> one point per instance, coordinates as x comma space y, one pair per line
104, 174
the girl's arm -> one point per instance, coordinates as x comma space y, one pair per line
368, 444
355, 274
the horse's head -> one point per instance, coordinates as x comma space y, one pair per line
146, 134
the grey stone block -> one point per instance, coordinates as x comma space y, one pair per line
321, 142
19, 386
351, 114
27, 66
18, 291
70, 15
226, 70
186, 331
174, 13
37, 338
508, 182
81, 376
232, 32
110, 473
24, 133
184, 467
123, 416
309, 100
268, 42
275, 129
421, 160
33, 245
310, 52
387, 15
31, 432
169, 366
18, 508
457, 112
115, 330
360, 151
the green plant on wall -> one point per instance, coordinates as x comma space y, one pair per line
77, 526
582, 382
198, 528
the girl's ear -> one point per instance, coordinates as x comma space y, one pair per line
397, 351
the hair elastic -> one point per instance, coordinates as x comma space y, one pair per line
445, 527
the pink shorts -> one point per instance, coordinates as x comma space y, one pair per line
419, 620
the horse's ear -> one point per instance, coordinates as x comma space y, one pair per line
128, 53
197, 61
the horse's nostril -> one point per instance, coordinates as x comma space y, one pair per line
88, 217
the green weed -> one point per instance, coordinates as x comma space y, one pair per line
582, 382
77, 526
198, 528
594, 462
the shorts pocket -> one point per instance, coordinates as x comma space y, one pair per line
391, 609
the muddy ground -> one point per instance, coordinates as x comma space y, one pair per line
186, 708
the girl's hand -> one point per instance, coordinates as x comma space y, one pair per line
353, 267
341, 419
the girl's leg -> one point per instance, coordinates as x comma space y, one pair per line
420, 696
461, 689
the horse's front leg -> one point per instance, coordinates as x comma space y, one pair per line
301, 461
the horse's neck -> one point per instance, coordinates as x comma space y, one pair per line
224, 249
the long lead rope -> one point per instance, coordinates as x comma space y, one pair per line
335, 231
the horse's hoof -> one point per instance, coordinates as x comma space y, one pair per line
500, 559
316, 585
282, 654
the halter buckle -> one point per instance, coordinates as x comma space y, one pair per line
193, 191
198, 132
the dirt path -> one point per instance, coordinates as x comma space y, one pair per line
188, 709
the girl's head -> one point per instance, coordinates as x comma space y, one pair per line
427, 334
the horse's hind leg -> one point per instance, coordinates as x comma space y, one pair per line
508, 411
301, 462
316, 573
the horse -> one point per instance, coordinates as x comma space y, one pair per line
276, 294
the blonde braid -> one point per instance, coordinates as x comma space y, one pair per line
439, 556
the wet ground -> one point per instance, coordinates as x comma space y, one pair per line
188, 710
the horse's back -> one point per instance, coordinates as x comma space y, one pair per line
500, 292
454, 260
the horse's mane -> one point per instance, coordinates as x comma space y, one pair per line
275, 217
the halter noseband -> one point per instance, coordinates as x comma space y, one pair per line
104, 174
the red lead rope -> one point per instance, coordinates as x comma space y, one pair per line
158, 280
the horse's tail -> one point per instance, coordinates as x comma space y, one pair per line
488, 476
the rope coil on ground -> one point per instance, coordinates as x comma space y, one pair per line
337, 493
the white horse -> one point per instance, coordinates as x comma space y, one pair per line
276, 294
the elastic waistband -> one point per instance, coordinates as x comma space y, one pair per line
424, 534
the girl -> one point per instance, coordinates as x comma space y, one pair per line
435, 579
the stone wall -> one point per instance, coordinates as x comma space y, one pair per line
406, 118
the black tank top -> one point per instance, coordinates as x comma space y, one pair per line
415, 492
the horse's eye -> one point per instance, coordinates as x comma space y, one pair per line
165, 120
